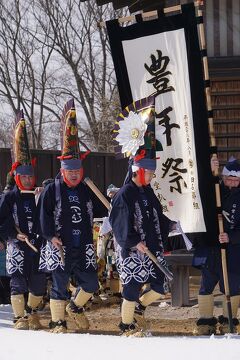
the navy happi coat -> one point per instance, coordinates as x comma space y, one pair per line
136, 215
231, 213
19, 211
230, 199
58, 216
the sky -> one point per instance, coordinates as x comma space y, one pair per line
39, 345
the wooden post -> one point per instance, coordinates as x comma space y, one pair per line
105, 202
97, 192
202, 42
146, 15
26, 239
61, 252
162, 267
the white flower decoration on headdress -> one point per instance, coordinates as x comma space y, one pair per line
131, 133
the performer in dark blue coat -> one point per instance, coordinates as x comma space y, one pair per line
137, 220
208, 257
5, 294
19, 224
139, 224
66, 223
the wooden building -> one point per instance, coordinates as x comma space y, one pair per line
222, 28
222, 25
102, 168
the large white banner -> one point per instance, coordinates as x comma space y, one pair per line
158, 64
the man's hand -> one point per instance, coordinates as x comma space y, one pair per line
141, 247
214, 164
38, 190
223, 238
2, 247
173, 226
56, 242
22, 237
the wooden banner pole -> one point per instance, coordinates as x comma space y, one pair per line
26, 239
97, 192
202, 42
149, 14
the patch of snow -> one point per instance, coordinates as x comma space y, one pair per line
41, 345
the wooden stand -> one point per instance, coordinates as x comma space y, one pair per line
181, 264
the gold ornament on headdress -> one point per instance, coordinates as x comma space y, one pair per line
70, 145
21, 153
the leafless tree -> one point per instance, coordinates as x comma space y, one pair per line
25, 74
89, 75
51, 50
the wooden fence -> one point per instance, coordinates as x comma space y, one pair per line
102, 168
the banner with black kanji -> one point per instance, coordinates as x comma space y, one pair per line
162, 58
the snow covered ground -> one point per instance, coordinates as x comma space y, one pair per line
24, 345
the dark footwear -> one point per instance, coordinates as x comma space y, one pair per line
33, 319
77, 314
131, 330
205, 326
58, 327
21, 323
224, 325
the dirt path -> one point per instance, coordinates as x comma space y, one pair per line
162, 318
